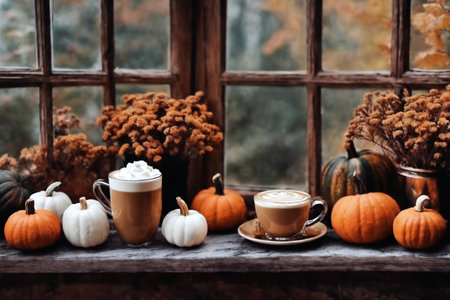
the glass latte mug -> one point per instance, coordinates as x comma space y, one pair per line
135, 206
283, 214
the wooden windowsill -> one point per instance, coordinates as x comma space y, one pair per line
225, 253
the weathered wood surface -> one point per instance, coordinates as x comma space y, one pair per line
224, 253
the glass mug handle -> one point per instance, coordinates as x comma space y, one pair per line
324, 211
101, 197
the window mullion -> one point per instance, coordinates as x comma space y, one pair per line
314, 66
108, 50
43, 36
44, 53
314, 36
401, 10
209, 65
181, 47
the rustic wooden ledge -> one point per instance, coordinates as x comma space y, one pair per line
224, 253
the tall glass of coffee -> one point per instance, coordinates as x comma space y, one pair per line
283, 214
136, 201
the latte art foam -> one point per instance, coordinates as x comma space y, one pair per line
282, 198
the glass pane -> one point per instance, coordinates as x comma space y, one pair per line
76, 34
420, 92
122, 89
337, 112
141, 29
17, 34
265, 137
430, 35
356, 34
266, 35
19, 115
85, 103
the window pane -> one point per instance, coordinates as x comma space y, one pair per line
142, 34
76, 34
85, 103
122, 89
266, 35
17, 34
430, 35
337, 112
356, 34
265, 137
19, 115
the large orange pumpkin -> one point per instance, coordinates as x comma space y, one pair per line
32, 229
419, 227
364, 218
223, 209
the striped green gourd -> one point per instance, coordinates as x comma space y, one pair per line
377, 174
14, 191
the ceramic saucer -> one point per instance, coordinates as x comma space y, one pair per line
252, 231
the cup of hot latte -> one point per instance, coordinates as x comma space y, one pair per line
136, 201
283, 214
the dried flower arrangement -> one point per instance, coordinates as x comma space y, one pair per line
75, 162
413, 130
152, 125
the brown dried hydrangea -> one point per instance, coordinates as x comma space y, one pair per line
150, 126
75, 162
64, 121
413, 130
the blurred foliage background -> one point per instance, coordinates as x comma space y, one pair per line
265, 142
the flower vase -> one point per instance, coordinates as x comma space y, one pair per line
433, 183
174, 182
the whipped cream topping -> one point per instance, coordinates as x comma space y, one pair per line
138, 170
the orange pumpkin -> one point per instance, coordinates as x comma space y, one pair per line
364, 218
223, 209
419, 227
32, 229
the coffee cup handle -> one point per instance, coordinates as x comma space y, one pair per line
101, 197
324, 211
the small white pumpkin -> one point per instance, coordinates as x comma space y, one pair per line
85, 224
183, 227
57, 202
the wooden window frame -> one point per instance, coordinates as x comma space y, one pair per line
45, 77
212, 76
197, 62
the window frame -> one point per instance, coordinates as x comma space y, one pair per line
399, 77
197, 62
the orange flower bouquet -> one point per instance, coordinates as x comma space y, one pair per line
74, 161
414, 130
152, 125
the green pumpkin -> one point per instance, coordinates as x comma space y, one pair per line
377, 174
14, 191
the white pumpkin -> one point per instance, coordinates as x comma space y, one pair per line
57, 202
183, 227
85, 224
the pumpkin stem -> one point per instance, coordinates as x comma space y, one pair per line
351, 150
421, 202
83, 203
29, 207
184, 210
50, 189
218, 183
360, 188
